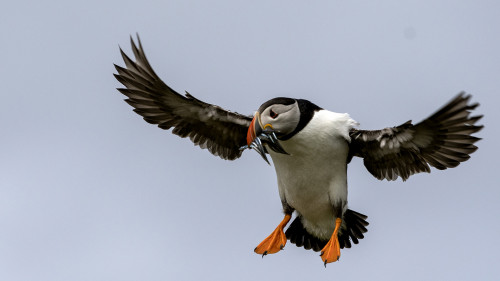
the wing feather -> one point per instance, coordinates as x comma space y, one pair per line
443, 140
220, 131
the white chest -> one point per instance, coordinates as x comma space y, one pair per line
313, 178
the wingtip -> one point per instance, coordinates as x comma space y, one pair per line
139, 44
122, 53
463, 95
132, 41
477, 118
118, 68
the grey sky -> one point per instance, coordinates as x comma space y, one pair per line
89, 191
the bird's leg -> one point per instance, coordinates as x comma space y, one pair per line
276, 241
331, 251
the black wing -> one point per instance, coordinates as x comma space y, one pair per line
443, 141
220, 131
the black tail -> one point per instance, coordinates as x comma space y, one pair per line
353, 229
355, 226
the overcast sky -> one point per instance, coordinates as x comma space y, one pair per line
90, 191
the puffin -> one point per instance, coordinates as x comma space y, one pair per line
310, 148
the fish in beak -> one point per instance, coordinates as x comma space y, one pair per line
259, 135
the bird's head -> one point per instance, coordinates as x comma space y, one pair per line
277, 120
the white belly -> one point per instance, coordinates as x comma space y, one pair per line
313, 178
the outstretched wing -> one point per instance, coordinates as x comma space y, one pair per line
443, 141
220, 131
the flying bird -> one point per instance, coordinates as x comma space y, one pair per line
310, 148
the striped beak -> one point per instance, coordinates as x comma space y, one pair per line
257, 137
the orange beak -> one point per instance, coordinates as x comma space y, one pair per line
257, 137
254, 130
251, 132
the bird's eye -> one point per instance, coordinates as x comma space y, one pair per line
273, 114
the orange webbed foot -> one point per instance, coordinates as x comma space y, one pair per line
274, 242
331, 251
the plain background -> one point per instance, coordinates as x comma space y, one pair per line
89, 191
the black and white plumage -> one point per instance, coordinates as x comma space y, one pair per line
310, 148
443, 140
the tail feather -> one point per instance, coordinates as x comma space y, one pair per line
299, 236
355, 226
353, 229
